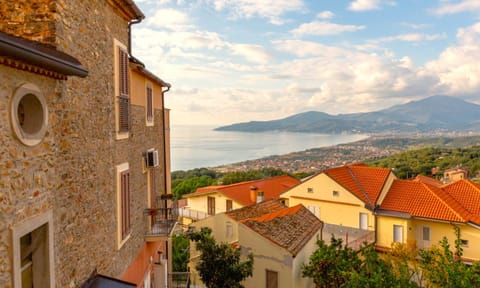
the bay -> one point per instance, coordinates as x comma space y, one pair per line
201, 146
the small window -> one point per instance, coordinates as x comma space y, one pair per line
426, 233
272, 279
149, 104
122, 91
310, 190
335, 193
211, 205
398, 233
229, 229
123, 204
464, 242
229, 205
363, 221
29, 114
33, 259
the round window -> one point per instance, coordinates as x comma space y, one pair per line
29, 114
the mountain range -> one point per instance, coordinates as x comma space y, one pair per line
432, 114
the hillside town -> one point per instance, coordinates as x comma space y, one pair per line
85, 187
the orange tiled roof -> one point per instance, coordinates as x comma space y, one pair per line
423, 200
364, 182
240, 192
467, 193
428, 180
256, 210
290, 228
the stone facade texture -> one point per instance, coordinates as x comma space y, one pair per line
72, 171
33, 20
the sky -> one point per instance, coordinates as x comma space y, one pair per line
232, 61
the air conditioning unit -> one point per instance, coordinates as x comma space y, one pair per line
151, 158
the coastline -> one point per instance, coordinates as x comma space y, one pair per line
373, 147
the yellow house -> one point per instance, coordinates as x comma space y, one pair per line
420, 215
280, 238
211, 200
345, 195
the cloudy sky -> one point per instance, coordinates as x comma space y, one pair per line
239, 60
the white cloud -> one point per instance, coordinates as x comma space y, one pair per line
412, 37
457, 66
365, 5
324, 28
253, 53
326, 15
169, 19
458, 7
270, 9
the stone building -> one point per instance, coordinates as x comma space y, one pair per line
84, 146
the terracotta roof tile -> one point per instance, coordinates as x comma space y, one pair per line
428, 180
256, 210
290, 228
423, 200
467, 193
363, 181
240, 192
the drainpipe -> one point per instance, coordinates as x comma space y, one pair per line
134, 21
164, 140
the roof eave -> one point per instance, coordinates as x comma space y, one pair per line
16, 48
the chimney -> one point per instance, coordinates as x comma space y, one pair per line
253, 194
260, 196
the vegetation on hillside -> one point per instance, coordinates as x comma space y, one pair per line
422, 161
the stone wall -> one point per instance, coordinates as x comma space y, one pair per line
33, 20
28, 175
73, 170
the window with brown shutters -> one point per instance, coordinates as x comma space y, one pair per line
229, 205
149, 103
211, 205
125, 194
123, 98
272, 279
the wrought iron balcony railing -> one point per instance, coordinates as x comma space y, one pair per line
163, 217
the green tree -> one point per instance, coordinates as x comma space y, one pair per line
443, 267
336, 265
180, 246
181, 187
331, 265
220, 265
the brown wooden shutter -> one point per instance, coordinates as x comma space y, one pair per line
272, 279
125, 191
123, 98
211, 205
229, 205
149, 104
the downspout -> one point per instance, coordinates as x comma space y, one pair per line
134, 21
164, 140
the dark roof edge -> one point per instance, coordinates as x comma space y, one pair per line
141, 68
46, 57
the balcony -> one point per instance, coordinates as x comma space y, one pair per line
179, 279
163, 218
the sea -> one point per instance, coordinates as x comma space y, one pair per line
201, 146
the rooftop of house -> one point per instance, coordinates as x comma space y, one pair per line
290, 228
364, 182
467, 193
423, 200
240, 192
256, 210
428, 180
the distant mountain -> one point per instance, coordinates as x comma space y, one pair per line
435, 113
